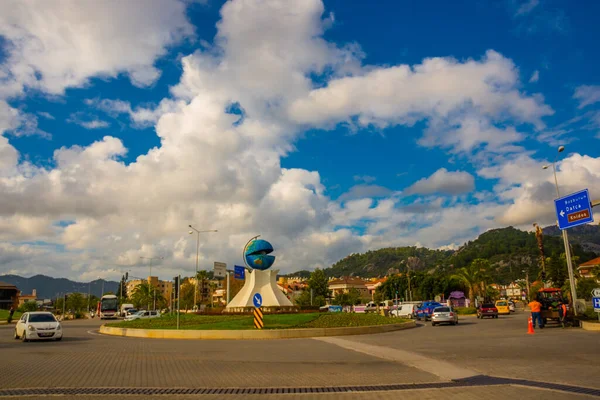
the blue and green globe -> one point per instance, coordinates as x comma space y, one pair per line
257, 254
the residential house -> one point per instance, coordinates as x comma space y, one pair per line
163, 287
24, 298
373, 284
586, 270
9, 295
343, 285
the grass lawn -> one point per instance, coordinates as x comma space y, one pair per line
272, 321
4, 315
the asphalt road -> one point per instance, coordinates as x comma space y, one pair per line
423, 361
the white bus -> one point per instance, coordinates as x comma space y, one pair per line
108, 307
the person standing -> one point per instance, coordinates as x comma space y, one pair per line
10, 314
563, 313
536, 313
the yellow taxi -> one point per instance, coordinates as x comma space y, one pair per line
502, 306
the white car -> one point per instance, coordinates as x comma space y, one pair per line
38, 325
142, 315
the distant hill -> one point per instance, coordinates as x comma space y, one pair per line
48, 287
509, 250
588, 236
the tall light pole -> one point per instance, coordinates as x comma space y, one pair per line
565, 237
150, 276
198, 232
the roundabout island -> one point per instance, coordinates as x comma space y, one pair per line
277, 326
275, 317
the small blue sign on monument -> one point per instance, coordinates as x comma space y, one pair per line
574, 209
596, 302
239, 272
257, 300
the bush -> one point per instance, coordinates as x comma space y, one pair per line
465, 310
28, 306
589, 314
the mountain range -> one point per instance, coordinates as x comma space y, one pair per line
48, 287
509, 250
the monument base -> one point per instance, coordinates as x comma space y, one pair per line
263, 282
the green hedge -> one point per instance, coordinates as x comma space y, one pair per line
465, 310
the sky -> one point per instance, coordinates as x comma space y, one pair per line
328, 128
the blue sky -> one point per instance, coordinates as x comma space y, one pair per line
401, 123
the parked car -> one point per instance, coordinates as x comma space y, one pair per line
371, 307
405, 311
142, 315
124, 308
487, 310
444, 315
38, 325
425, 311
502, 307
131, 311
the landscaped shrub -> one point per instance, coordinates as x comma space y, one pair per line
465, 310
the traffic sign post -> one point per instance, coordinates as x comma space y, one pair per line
258, 314
574, 209
239, 272
596, 301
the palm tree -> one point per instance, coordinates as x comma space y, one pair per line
473, 276
143, 295
202, 277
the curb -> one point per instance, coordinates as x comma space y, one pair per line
590, 326
253, 334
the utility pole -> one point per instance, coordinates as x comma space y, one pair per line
566, 239
178, 298
228, 297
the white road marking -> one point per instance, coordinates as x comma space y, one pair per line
442, 369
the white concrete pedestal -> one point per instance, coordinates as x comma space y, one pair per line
263, 282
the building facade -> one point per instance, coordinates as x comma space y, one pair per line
9, 295
163, 287
343, 285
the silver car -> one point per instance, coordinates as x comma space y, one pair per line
443, 315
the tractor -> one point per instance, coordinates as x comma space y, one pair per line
551, 299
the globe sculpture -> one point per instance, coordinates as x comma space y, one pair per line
257, 255
260, 280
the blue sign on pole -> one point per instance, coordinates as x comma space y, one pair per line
596, 302
574, 209
257, 300
239, 272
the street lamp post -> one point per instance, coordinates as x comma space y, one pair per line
198, 232
565, 238
150, 276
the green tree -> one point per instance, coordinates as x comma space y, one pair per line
353, 297
473, 276
341, 299
203, 296
304, 299
122, 289
585, 287
186, 296
28, 306
76, 302
318, 283
143, 296
556, 269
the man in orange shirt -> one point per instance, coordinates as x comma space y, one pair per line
536, 309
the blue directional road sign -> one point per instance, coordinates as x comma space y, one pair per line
574, 209
257, 300
596, 302
239, 272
